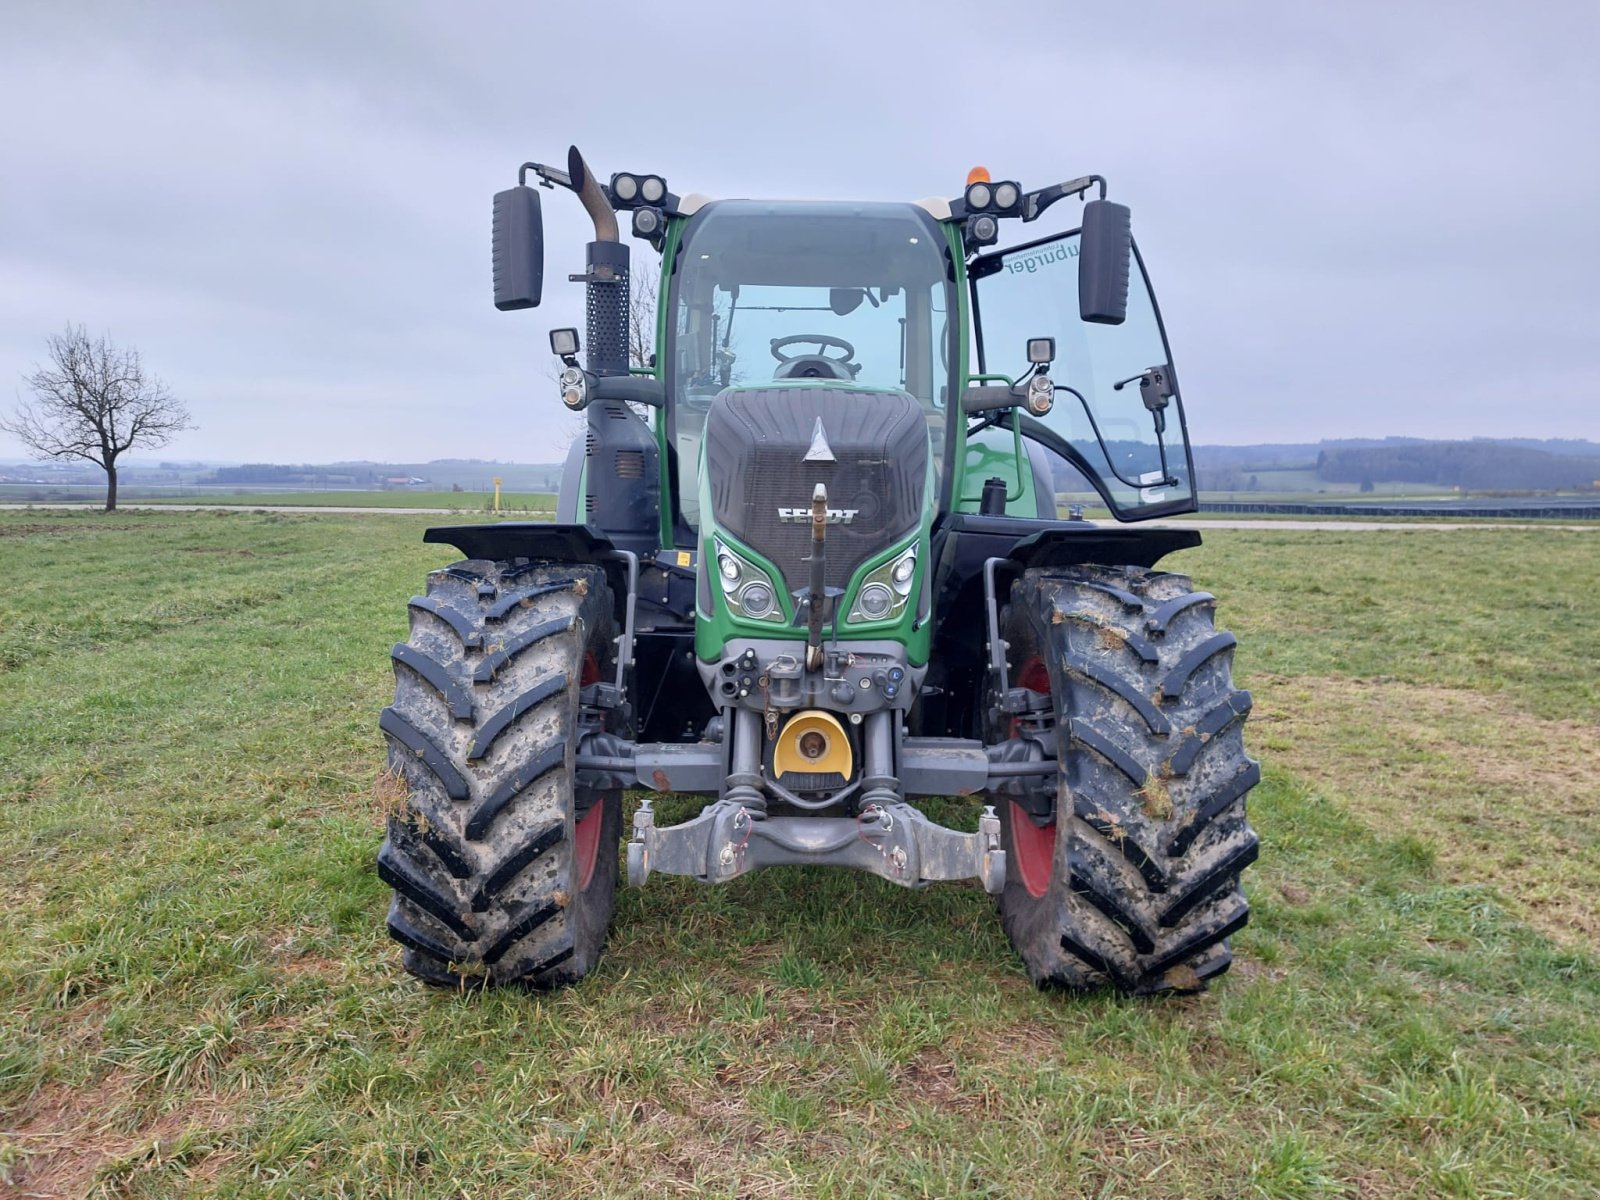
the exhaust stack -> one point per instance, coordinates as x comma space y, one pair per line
606, 277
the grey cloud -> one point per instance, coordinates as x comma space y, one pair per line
1361, 219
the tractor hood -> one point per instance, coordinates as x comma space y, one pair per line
766, 449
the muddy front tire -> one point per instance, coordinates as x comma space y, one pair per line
1131, 878
502, 869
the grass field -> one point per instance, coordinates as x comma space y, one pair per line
510, 502
197, 996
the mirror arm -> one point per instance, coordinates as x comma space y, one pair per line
987, 398
1034, 203
632, 389
548, 176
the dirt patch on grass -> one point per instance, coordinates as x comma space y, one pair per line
1020, 1041
33, 528
294, 961
932, 1078
828, 1026
697, 1141
1499, 795
29, 530
66, 1140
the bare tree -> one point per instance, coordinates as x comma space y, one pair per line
642, 317
94, 400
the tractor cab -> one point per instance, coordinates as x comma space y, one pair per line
851, 297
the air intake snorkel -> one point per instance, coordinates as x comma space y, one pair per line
606, 276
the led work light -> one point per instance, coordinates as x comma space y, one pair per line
629, 190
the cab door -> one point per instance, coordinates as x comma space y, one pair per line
1118, 415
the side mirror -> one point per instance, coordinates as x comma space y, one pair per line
1105, 248
518, 249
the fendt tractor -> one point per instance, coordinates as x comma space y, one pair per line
808, 563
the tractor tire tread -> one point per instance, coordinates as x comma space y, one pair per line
1143, 891
482, 855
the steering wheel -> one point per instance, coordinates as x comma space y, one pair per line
814, 366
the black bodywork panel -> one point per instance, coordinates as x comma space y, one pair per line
665, 599
508, 541
1063, 546
623, 488
524, 539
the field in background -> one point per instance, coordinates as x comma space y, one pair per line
1307, 485
462, 501
197, 996
538, 502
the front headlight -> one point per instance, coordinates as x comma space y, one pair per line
747, 589
886, 591
757, 599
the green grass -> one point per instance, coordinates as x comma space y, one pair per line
516, 502
197, 996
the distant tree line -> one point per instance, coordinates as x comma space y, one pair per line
469, 474
1228, 479
297, 476
1479, 465
1470, 466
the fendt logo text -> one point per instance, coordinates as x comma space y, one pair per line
836, 516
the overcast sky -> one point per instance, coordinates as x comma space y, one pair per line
1361, 219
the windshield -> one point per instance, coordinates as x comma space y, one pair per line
855, 294
1032, 291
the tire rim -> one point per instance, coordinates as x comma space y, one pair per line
586, 841
1035, 845
586, 833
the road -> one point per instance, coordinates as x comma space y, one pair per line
1341, 525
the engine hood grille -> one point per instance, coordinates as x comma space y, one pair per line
757, 445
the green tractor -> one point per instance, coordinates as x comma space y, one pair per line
808, 563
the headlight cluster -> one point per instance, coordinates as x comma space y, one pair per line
748, 590
986, 203
1004, 199
630, 189
885, 592
575, 388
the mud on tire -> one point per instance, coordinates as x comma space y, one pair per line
502, 869
1133, 882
